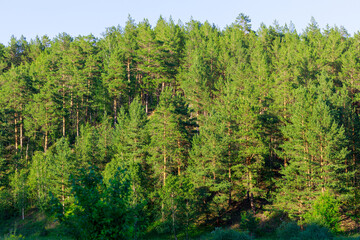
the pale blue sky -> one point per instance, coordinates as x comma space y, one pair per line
82, 17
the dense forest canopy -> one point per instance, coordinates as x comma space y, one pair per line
176, 125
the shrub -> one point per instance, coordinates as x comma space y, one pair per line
346, 238
227, 234
325, 212
100, 211
249, 222
287, 231
291, 231
315, 232
6, 205
13, 237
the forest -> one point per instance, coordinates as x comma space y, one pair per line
169, 129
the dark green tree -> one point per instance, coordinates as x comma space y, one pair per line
168, 142
316, 150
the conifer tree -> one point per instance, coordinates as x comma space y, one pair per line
148, 62
20, 191
61, 166
130, 139
61, 75
168, 143
43, 117
130, 49
206, 166
199, 73
114, 76
348, 75
316, 150
15, 92
170, 43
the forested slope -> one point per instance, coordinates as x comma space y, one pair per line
173, 125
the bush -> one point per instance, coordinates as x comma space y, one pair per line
347, 238
100, 211
287, 231
227, 234
315, 232
6, 206
249, 222
291, 231
13, 237
325, 211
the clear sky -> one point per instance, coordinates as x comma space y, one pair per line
82, 17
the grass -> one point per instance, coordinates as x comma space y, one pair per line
35, 226
38, 226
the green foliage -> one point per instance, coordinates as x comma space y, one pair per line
227, 234
315, 232
177, 197
13, 237
316, 149
39, 176
6, 205
249, 222
325, 211
20, 190
205, 123
344, 238
291, 231
287, 231
100, 211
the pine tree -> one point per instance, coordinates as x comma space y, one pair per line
206, 166
178, 198
348, 76
39, 179
286, 71
168, 143
148, 62
86, 151
114, 76
316, 150
61, 76
61, 166
43, 117
130, 140
130, 49
15, 92
170, 43
20, 191
199, 73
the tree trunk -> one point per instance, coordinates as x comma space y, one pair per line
230, 188
77, 120
64, 120
63, 126
252, 204
250, 194
115, 111
179, 162
21, 132
146, 103
173, 215
187, 221
164, 174
63, 192
129, 79
16, 130
128, 70
164, 167
229, 159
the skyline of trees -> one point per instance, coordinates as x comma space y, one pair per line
204, 122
